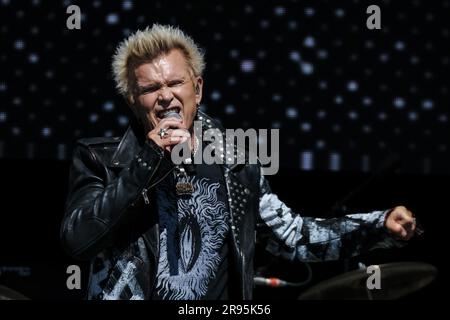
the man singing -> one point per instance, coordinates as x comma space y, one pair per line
154, 229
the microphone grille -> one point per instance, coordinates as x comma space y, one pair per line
172, 114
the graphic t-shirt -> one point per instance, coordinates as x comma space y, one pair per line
193, 230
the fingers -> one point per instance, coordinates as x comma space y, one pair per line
178, 136
180, 133
408, 223
397, 229
168, 132
169, 123
402, 223
403, 233
400, 232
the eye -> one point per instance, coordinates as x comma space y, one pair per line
148, 89
176, 83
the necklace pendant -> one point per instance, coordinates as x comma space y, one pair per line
184, 188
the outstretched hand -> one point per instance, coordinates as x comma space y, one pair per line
401, 223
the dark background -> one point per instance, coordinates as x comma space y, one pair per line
345, 98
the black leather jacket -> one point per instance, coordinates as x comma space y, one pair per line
111, 220
110, 198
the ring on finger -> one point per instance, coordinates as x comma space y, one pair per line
162, 133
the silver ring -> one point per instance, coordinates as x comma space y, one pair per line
162, 133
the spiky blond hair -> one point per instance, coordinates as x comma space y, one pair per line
146, 45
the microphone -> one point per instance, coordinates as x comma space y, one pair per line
172, 114
278, 283
187, 162
270, 282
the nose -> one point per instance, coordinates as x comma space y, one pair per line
165, 96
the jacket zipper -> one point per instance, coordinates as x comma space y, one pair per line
144, 195
144, 191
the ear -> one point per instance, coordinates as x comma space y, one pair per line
198, 90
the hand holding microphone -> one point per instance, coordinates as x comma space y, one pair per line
170, 131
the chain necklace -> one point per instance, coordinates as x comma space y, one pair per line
196, 145
183, 186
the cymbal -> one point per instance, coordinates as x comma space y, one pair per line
9, 294
396, 280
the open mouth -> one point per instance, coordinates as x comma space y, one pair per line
167, 113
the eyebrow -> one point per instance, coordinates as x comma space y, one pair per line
171, 77
154, 84
149, 85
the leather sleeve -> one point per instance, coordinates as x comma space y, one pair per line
313, 239
96, 206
